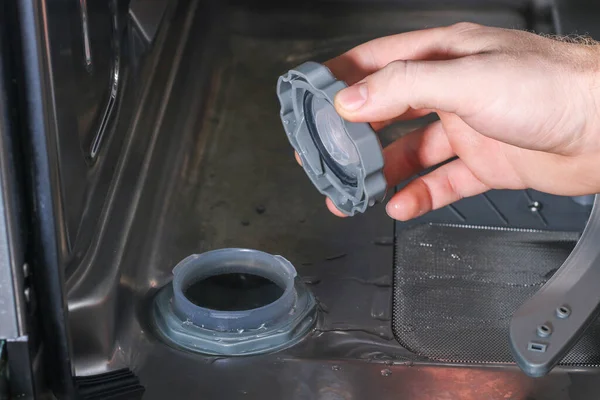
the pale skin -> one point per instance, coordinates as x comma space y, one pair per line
518, 110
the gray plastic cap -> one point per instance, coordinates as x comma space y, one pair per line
343, 159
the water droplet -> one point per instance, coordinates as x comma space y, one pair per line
187, 322
336, 368
310, 280
455, 256
286, 122
386, 372
240, 331
384, 241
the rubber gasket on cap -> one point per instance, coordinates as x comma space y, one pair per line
343, 159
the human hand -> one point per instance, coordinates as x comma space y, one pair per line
519, 110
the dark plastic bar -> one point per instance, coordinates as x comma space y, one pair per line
545, 328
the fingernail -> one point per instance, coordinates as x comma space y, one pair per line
399, 210
354, 97
390, 209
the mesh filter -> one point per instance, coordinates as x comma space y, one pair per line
456, 288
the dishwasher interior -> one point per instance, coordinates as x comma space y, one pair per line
166, 141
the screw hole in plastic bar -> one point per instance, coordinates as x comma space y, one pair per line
563, 312
537, 347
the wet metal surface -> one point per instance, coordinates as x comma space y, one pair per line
206, 165
86, 83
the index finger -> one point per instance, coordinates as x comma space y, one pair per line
428, 44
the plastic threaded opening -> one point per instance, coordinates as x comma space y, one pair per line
233, 289
234, 302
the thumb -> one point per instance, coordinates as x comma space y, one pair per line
393, 90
